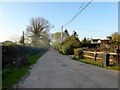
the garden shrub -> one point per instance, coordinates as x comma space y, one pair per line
60, 47
78, 53
68, 45
67, 48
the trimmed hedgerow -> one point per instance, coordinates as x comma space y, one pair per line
68, 45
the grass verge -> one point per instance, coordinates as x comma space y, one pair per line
16, 74
92, 62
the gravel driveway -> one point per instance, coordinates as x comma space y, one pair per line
54, 70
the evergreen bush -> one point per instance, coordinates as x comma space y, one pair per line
68, 45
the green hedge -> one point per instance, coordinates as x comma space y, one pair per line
68, 45
10, 54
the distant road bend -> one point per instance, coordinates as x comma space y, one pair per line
54, 70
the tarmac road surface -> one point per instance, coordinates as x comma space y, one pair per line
54, 70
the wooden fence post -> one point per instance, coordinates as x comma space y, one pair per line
95, 55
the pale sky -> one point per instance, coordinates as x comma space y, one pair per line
98, 20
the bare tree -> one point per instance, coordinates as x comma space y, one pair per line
37, 30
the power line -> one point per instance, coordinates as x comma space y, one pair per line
79, 12
80, 7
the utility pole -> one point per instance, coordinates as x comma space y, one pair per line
61, 34
118, 53
23, 39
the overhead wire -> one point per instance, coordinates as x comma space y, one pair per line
79, 12
76, 13
81, 6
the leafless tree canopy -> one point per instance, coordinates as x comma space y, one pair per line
38, 29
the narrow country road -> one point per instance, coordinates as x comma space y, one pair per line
54, 70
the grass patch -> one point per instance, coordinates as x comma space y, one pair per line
92, 62
14, 77
16, 74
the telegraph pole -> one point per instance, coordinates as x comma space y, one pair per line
118, 53
61, 34
23, 39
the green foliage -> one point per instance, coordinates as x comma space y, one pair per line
86, 41
92, 62
67, 48
8, 43
111, 46
116, 68
60, 48
56, 38
56, 35
11, 53
78, 53
53, 45
13, 76
68, 45
115, 38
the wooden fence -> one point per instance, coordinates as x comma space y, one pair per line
98, 56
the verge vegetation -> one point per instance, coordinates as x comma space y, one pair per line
71, 45
92, 62
14, 75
